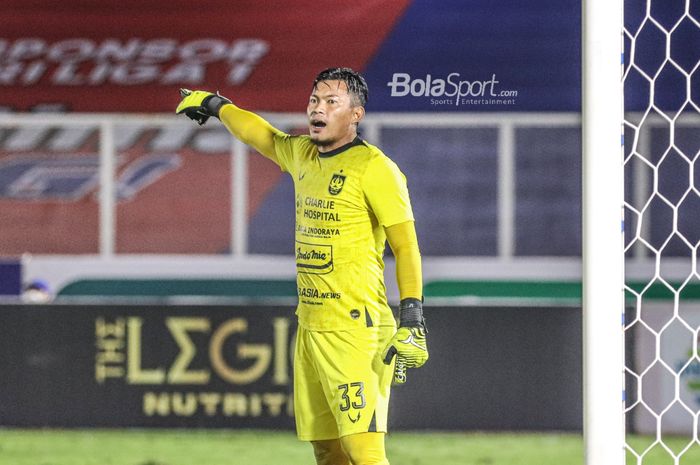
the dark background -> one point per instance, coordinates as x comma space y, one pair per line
491, 368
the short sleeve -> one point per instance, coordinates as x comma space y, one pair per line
385, 189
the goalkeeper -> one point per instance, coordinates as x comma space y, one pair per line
350, 199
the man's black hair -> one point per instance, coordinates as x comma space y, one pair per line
357, 87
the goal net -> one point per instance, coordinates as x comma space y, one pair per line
662, 230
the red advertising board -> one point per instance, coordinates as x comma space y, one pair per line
133, 56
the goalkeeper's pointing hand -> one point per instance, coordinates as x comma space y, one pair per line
409, 343
200, 105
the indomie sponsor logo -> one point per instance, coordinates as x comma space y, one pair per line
314, 258
310, 254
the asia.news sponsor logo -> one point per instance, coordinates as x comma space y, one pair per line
452, 89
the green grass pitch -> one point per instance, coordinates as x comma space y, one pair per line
224, 447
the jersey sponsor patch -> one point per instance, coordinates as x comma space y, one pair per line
314, 258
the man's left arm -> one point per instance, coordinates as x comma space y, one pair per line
409, 343
404, 244
386, 191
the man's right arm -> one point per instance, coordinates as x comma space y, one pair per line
245, 125
251, 129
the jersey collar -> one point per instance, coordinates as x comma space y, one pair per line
342, 148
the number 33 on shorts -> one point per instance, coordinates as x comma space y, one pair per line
352, 395
358, 396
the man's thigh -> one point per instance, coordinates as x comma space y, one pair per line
341, 386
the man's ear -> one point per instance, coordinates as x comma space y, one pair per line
357, 114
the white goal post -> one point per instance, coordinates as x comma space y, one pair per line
603, 244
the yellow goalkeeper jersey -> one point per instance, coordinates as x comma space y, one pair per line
344, 200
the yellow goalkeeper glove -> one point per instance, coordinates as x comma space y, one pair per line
200, 105
409, 343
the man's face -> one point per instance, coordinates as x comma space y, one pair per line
332, 117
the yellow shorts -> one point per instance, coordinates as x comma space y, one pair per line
341, 385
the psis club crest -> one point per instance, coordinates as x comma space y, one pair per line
336, 184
